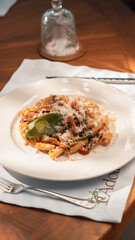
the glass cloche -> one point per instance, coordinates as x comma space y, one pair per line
58, 33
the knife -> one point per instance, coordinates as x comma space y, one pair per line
101, 79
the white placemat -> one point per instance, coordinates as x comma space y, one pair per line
110, 191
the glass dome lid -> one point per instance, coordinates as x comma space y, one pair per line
58, 33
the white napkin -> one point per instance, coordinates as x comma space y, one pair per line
114, 187
5, 5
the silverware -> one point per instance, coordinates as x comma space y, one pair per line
11, 187
105, 80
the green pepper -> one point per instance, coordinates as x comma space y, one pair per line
44, 125
84, 137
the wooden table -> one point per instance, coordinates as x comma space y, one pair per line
108, 30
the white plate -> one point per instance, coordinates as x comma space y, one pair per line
23, 159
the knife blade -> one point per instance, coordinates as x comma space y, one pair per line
102, 79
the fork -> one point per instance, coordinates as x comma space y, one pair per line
11, 187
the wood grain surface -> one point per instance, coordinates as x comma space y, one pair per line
107, 28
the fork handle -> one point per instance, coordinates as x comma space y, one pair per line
78, 201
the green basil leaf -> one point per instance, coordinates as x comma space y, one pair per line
45, 125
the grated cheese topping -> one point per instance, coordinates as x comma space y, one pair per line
84, 125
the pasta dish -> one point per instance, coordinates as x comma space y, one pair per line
60, 124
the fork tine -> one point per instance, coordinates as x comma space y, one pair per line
6, 187
3, 188
5, 181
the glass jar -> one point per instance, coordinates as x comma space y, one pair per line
58, 31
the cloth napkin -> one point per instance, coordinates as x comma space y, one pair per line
110, 192
5, 5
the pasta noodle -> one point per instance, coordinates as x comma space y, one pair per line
59, 124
